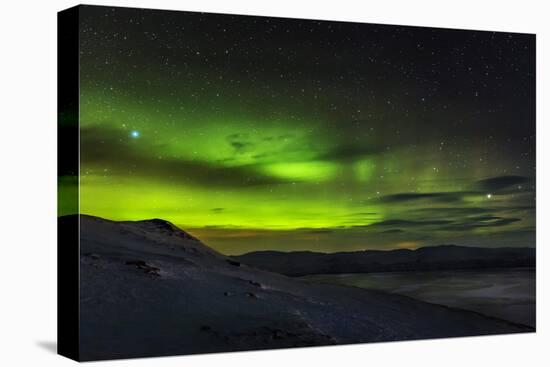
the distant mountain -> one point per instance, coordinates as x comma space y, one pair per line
148, 288
447, 257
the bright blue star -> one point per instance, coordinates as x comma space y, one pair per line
134, 134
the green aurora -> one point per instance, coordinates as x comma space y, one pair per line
254, 140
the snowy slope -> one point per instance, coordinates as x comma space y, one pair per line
148, 288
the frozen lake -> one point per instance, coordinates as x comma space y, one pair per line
507, 294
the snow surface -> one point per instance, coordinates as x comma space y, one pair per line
150, 289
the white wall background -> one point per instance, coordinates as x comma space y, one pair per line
28, 183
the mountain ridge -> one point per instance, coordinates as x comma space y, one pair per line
441, 257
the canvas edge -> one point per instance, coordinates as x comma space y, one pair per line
68, 279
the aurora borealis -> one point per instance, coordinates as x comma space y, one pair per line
267, 133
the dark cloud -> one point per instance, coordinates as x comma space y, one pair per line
436, 196
111, 148
395, 230
456, 224
217, 210
240, 143
408, 223
501, 182
484, 221
458, 213
521, 208
240, 146
452, 211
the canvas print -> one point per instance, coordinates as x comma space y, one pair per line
233, 183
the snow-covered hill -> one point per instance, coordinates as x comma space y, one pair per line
149, 288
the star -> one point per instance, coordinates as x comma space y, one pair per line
134, 134
489, 196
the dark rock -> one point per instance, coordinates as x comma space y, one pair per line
142, 265
137, 263
255, 284
233, 262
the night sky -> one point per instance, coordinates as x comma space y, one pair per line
258, 133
